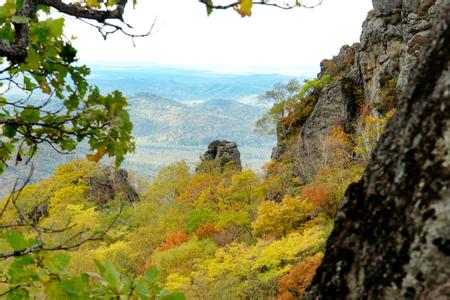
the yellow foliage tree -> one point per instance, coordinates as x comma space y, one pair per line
370, 134
279, 219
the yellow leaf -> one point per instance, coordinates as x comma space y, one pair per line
97, 156
45, 87
245, 8
92, 3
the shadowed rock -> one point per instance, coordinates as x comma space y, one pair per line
110, 184
224, 152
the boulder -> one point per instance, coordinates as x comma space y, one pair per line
223, 152
110, 184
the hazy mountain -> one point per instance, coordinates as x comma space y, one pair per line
181, 84
160, 120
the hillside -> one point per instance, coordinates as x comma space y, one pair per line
164, 121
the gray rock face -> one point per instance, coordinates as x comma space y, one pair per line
335, 108
391, 238
277, 152
390, 44
109, 184
386, 6
224, 152
378, 67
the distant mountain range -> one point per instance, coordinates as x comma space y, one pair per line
163, 121
182, 84
176, 113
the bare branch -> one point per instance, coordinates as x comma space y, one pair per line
285, 5
107, 28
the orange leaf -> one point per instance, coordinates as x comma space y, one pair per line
97, 156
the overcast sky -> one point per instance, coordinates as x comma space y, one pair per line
272, 40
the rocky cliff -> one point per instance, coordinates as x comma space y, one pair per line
367, 76
391, 238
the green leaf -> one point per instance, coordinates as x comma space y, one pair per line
17, 271
72, 102
20, 19
7, 10
100, 266
19, 4
68, 53
151, 275
209, 9
77, 288
18, 294
54, 290
29, 85
110, 274
57, 264
44, 8
172, 296
31, 115
16, 240
6, 33
142, 289
68, 144
3, 101
56, 26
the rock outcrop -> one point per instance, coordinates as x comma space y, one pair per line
224, 152
391, 238
367, 76
336, 107
109, 184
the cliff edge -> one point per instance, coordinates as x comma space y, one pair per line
391, 238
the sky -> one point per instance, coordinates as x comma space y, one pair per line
272, 40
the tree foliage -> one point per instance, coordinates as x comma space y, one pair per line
279, 219
280, 99
46, 97
285, 99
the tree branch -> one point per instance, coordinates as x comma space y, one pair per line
87, 13
285, 5
16, 50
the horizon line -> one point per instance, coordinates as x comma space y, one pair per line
291, 70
